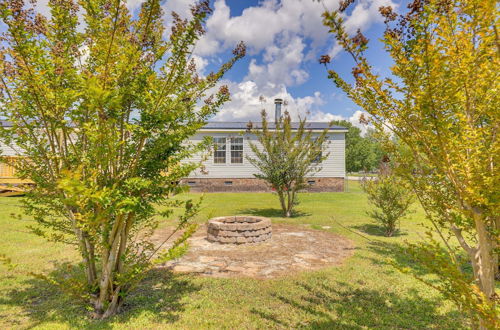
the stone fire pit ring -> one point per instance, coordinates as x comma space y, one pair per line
239, 229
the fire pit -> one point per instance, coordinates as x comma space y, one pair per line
239, 229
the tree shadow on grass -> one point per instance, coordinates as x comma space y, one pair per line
377, 230
343, 305
160, 294
393, 256
271, 213
398, 256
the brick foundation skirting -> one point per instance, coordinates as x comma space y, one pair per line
257, 185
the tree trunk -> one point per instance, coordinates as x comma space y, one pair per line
495, 248
483, 258
486, 258
115, 304
90, 267
484, 261
123, 243
87, 251
115, 298
282, 202
290, 200
108, 301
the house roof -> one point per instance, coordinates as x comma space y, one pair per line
238, 126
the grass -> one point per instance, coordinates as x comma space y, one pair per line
362, 174
365, 292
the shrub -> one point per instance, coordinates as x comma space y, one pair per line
391, 199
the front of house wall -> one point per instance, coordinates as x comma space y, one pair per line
257, 185
229, 177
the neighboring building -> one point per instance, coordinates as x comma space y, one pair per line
7, 173
228, 169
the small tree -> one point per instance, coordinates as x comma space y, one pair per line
391, 198
441, 102
286, 155
101, 114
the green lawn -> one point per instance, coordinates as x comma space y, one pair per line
365, 292
362, 174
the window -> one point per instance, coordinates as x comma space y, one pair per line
317, 159
220, 150
237, 150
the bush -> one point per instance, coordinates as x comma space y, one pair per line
391, 198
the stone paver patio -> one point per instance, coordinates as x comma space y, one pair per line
291, 249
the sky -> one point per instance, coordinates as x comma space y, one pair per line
284, 40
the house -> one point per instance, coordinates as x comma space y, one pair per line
227, 167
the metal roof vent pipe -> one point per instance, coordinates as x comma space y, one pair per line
277, 111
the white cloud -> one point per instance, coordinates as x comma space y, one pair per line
259, 26
355, 120
132, 5
245, 103
281, 64
285, 33
42, 7
363, 15
181, 7
201, 63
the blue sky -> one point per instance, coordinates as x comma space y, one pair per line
284, 40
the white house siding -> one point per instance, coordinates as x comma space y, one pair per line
5, 150
333, 166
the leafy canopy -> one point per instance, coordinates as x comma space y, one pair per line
286, 156
442, 103
391, 198
362, 153
102, 104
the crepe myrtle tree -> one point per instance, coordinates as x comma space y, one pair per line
390, 197
441, 103
286, 157
102, 104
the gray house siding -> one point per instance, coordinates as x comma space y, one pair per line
230, 176
239, 177
333, 166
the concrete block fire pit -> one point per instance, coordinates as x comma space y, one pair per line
239, 229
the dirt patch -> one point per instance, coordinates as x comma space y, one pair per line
291, 249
